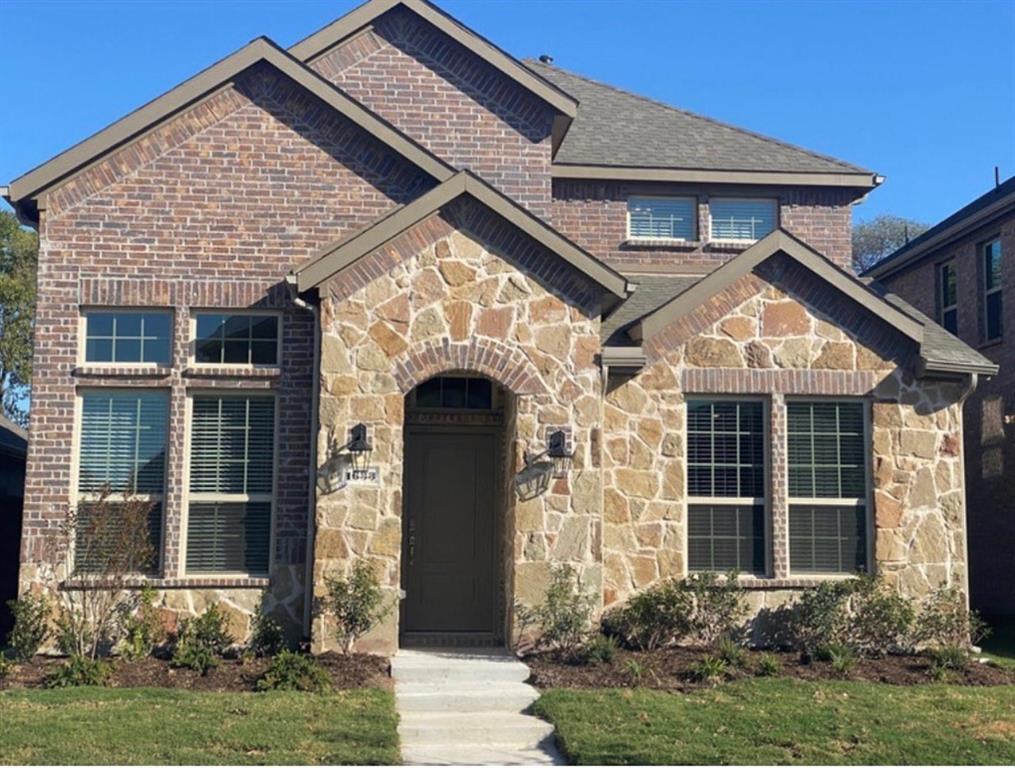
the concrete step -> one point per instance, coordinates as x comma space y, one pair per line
507, 697
516, 730
416, 669
456, 754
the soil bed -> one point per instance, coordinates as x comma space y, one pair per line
670, 669
231, 675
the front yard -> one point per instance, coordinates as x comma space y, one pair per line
159, 726
786, 721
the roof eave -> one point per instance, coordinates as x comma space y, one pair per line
929, 366
859, 181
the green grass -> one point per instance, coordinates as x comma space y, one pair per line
782, 721
1000, 643
154, 726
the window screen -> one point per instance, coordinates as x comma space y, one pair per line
726, 485
993, 308
231, 483
236, 339
741, 220
128, 337
668, 218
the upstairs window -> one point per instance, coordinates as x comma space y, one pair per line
661, 218
949, 298
992, 307
127, 337
236, 339
827, 473
726, 485
740, 220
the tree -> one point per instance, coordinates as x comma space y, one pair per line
875, 239
19, 249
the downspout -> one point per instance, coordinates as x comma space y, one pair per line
973, 381
308, 578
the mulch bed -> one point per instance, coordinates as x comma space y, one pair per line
357, 670
670, 669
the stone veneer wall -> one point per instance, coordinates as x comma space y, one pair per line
765, 336
460, 291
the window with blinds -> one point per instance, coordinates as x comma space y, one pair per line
121, 453
239, 339
231, 491
128, 337
993, 310
662, 218
741, 220
726, 485
827, 458
949, 297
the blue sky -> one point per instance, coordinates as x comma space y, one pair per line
921, 92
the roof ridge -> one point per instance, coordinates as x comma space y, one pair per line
681, 110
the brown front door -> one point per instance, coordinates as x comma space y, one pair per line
448, 549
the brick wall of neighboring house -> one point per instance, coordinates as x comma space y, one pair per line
989, 413
449, 100
211, 210
594, 215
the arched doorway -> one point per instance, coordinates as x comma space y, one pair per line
453, 512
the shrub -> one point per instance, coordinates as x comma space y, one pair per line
819, 617
267, 637
599, 650
294, 672
31, 617
634, 670
710, 669
142, 630
732, 653
952, 657
658, 617
880, 618
945, 621
191, 655
356, 603
6, 667
78, 670
565, 616
841, 657
768, 665
720, 606
202, 640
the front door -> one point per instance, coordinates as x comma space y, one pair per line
449, 556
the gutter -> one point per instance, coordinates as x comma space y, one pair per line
626, 359
929, 367
315, 393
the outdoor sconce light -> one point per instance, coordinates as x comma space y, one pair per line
335, 473
359, 446
556, 450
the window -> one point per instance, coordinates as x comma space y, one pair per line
726, 485
245, 339
661, 218
122, 453
231, 484
127, 337
992, 307
949, 298
827, 473
740, 220
455, 392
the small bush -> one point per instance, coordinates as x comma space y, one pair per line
658, 617
819, 617
191, 655
948, 658
6, 667
768, 666
732, 653
599, 650
841, 657
77, 671
142, 630
634, 670
720, 606
711, 669
565, 616
880, 618
31, 618
356, 603
944, 621
202, 640
267, 637
294, 672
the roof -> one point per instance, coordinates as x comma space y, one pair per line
978, 212
13, 438
615, 129
59, 168
659, 301
325, 38
341, 254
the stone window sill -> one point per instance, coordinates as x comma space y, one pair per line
231, 372
182, 582
635, 243
122, 371
988, 345
790, 582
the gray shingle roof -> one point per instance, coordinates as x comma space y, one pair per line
652, 292
617, 128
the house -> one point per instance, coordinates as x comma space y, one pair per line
13, 447
392, 294
960, 272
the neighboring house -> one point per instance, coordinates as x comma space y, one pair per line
394, 236
961, 272
13, 448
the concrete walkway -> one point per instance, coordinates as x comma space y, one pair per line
467, 707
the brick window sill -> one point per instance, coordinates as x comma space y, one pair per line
122, 371
790, 582
182, 582
231, 372
645, 243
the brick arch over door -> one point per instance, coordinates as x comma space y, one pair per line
505, 365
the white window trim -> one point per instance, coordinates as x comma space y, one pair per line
774, 202
988, 292
76, 496
867, 500
644, 239
950, 264
82, 353
199, 498
766, 501
192, 338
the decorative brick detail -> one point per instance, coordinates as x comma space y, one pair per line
499, 362
785, 382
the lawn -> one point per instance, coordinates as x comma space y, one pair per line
156, 726
780, 721
1000, 643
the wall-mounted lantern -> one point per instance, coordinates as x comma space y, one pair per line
347, 463
359, 446
556, 451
